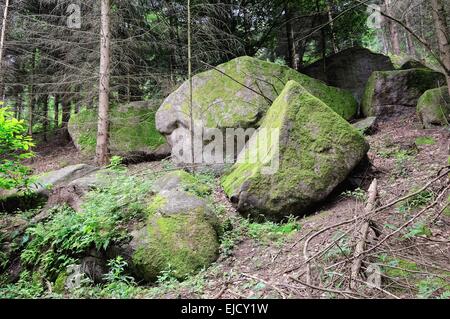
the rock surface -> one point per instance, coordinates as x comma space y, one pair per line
349, 69
223, 102
367, 125
388, 93
40, 191
433, 107
132, 131
317, 150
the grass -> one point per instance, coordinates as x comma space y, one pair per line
425, 140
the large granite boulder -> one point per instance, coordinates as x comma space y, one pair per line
433, 107
132, 131
317, 150
349, 69
389, 92
180, 232
237, 94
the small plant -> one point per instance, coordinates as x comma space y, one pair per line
418, 229
358, 194
420, 200
434, 287
425, 140
270, 231
115, 163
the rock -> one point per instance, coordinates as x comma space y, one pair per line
389, 92
181, 181
349, 69
433, 107
221, 102
317, 150
413, 64
367, 125
180, 233
40, 191
132, 131
12, 230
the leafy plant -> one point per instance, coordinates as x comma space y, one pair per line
115, 163
358, 194
14, 147
418, 229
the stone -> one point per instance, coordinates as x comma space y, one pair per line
317, 151
349, 69
132, 131
387, 93
367, 125
240, 98
433, 108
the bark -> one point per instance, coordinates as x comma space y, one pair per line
102, 151
2, 43
45, 120
443, 35
56, 118
292, 54
330, 19
393, 30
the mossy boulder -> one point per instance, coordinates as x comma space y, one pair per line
317, 150
389, 92
413, 64
240, 96
182, 181
433, 107
349, 69
132, 131
180, 235
40, 191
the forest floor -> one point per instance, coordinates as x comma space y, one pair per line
268, 260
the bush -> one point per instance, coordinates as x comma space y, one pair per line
14, 147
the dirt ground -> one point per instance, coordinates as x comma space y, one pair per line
263, 269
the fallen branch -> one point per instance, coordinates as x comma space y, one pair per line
358, 255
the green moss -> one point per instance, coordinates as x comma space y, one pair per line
366, 103
425, 140
307, 162
184, 243
222, 102
398, 268
157, 202
60, 283
433, 107
447, 210
192, 184
131, 130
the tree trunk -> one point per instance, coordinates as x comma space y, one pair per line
409, 37
30, 110
65, 115
292, 54
393, 30
102, 151
2, 44
443, 35
191, 110
45, 121
56, 117
330, 20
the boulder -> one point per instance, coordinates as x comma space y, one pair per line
132, 132
367, 125
180, 234
182, 181
317, 150
349, 69
413, 64
41, 189
237, 94
433, 107
389, 92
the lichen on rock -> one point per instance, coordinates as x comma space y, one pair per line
317, 150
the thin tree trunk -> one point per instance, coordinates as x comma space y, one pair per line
443, 35
102, 151
393, 30
66, 110
30, 110
2, 45
45, 121
56, 117
329, 4
411, 46
191, 111
292, 54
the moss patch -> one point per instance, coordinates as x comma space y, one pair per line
183, 243
317, 150
130, 130
433, 107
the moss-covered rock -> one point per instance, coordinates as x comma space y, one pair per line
132, 130
182, 181
180, 236
225, 101
433, 107
317, 150
388, 92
